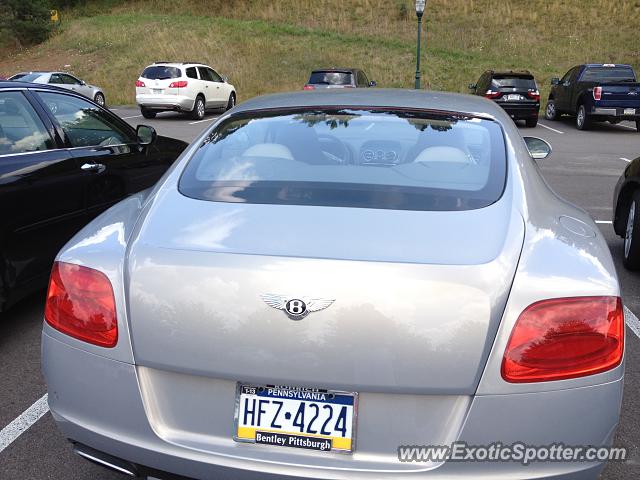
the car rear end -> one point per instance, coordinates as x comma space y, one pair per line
614, 92
517, 94
164, 87
201, 361
321, 79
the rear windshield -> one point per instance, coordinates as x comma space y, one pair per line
330, 78
514, 82
161, 73
30, 77
608, 74
351, 158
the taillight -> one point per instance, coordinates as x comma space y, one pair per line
80, 303
139, 83
492, 94
180, 84
597, 93
309, 87
534, 95
565, 338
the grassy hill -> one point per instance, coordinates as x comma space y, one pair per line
270, 45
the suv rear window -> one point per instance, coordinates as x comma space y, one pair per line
504, 81
381, 159
158, 72
608, 74
330, 78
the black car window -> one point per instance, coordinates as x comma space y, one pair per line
56, 79
69, 79
519, 82
567, 75
161, 72
21, 130
204, 74
608, 74
84, 124
214, 75
362, 158
330, 78
191, 72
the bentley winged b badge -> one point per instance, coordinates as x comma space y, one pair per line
296, 308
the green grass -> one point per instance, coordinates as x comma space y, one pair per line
268, 46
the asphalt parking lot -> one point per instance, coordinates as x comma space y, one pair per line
583, 169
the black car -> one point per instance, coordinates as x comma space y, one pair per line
63, 160
516, 92
626, 213
338, 78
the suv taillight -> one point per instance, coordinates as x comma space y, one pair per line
180, 84
80, 303
534, 95
565, 338
492, 94
139, 83
597, 93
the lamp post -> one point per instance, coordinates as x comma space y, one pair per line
420, 4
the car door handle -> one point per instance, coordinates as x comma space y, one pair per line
93, 167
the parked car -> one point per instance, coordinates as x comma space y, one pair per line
338, 78
64, 80
186, 87
596, 93
317, 254
63, 160
516, 92
626, 213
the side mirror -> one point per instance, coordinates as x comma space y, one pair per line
225, 79
373, 83
538, 148
83, 83
473, 86
555, 81
146, 134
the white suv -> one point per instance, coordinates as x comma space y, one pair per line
183, 87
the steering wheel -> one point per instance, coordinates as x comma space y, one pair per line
341, 155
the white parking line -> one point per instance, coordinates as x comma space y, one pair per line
134, 116
21, 424
625, 159
606, 222
205, 120
632, 321
549, 128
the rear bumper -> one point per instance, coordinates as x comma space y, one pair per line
617, 112
165, 102
522, 112
107, 406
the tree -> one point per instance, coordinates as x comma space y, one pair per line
28, 21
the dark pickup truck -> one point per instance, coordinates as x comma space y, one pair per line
596, 93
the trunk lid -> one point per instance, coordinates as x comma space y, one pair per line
418, 296
623, 94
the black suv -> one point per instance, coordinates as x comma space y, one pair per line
63, 160
338, 78
516, 92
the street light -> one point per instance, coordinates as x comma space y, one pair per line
420, 4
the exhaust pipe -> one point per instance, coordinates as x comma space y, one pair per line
105, 460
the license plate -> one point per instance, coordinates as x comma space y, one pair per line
513, 97
313, 419
156, 91
629, 111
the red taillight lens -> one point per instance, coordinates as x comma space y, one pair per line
180, 84
309, 87
597, 93
534, 95
565, 338
492, 94
80, 303
139, 83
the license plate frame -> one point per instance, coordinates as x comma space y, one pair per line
245, 436
629, 111
157, 91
